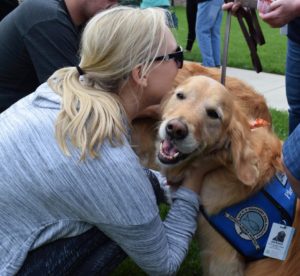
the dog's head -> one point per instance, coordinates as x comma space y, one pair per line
201, 119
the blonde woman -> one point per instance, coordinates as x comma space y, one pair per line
73, 196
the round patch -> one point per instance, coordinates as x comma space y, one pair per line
251, 222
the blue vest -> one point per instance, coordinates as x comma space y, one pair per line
247, 224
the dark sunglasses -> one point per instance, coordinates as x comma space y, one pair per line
177, 56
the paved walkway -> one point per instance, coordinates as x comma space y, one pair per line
272, 86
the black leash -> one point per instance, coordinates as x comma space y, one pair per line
225, 48
252, 34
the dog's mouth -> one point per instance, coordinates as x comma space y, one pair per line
169, 153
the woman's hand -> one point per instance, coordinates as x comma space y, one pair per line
281, 12
195, 175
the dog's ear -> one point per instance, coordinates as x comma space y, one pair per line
245, 160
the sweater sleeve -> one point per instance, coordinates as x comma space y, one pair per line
160, 247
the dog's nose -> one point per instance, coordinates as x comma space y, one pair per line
176, 129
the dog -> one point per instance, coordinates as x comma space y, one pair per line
145, 129
202, 119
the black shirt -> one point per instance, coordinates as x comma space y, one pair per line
294, 30
37, 38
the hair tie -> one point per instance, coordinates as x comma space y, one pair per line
80, 71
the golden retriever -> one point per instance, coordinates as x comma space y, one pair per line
202, 119
145, 129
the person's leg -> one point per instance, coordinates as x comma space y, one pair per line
101, 264
216, 36
204, 23
191, 12
293, 83
66, 256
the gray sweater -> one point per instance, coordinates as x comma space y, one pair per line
46, 195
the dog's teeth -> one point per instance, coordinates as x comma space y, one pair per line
176, 154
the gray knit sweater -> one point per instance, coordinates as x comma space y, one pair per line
45, 195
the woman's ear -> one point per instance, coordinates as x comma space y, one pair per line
138, 77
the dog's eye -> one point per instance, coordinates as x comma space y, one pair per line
212, 113
180, 95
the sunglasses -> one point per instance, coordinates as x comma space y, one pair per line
177, 56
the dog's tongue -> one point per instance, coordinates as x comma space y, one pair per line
168, 148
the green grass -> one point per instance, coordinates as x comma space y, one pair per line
272, 56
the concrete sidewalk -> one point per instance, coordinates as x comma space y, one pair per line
272, 86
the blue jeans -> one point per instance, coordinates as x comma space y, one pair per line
292, 81
208, 25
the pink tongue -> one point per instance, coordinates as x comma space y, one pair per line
168, 148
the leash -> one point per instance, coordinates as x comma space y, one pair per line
225, 47
253, 36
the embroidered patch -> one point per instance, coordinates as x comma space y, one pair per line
251, 223
282, 178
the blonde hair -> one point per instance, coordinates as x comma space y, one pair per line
113, 43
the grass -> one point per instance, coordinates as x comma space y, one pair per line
272, 56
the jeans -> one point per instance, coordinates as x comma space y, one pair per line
292, 81
91, 253
208, 25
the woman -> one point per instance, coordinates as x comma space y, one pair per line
69, 174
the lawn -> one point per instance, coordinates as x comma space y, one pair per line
272, 53
272, 56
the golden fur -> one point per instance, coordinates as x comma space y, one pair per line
145, 129
202, 119
253, 103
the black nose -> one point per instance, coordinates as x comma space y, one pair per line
176, 129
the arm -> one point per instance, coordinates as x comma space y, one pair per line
160, 247
119, 199
291, 154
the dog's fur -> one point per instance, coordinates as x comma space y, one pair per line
202, 119
253, 103
145, 129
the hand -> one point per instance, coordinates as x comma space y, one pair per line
281, 12
194, 176
231, 6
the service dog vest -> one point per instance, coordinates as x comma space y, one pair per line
247, 224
